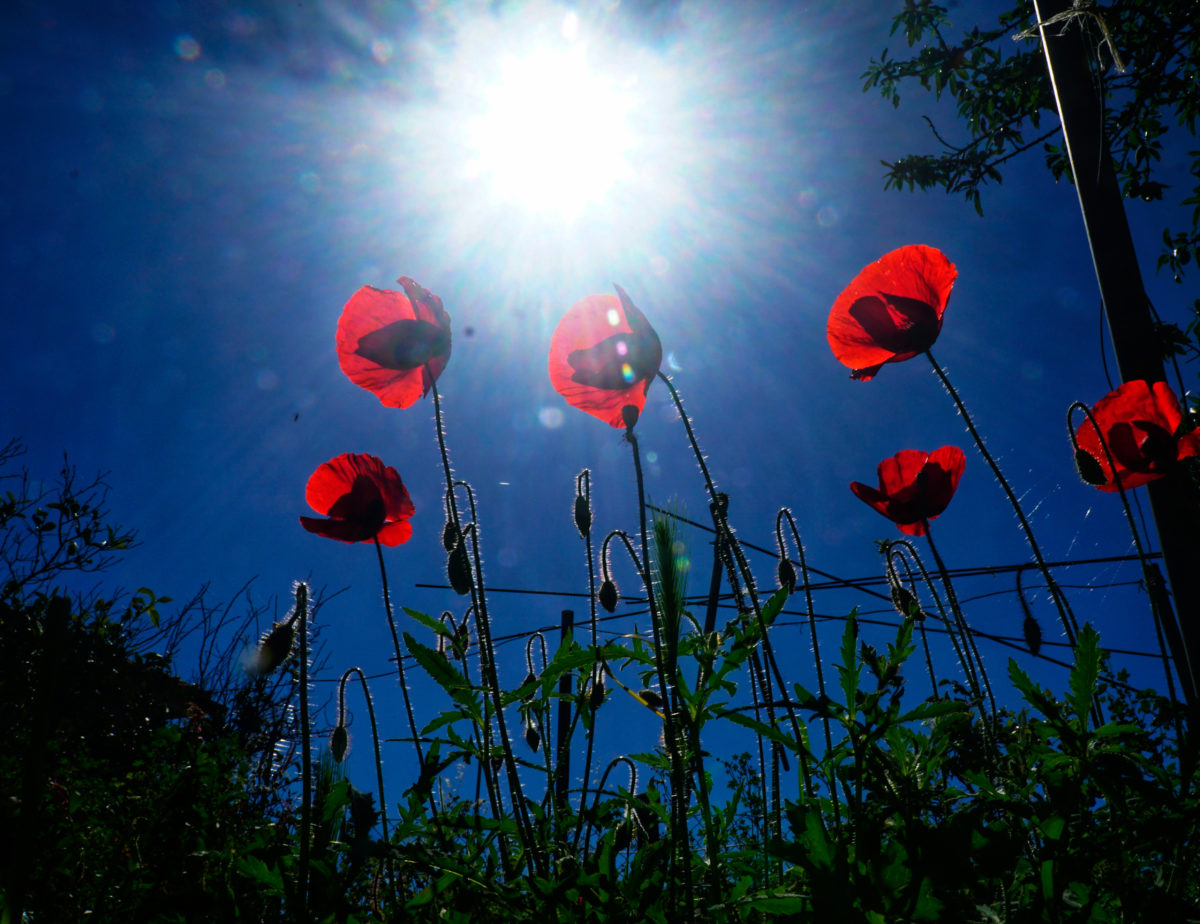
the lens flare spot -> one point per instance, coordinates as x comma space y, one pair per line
550, 417
627, 372
613, 317
187, 48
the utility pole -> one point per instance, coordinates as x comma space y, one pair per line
1173, 499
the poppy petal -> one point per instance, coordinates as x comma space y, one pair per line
394, 344
914, 486
892, 310
603, 356
362, 498
1139, 422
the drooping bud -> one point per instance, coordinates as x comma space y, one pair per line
339, 742
787, 575
583, 516
1033, 634
650, 698
274, 649
608, 595
458, 569
532, 738
451, 534
596, 697
905, 601
530, 678
1089, 469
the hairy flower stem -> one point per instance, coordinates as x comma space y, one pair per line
894, 582
583, 488
664, 662
1147, 575
1070, 626
487, 662
362, 679
408, 709
964, 630
830, 780
305, 751
718, 505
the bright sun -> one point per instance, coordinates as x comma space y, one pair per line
552, 134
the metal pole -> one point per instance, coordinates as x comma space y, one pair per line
1173, 499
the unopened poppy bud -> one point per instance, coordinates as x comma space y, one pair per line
274, 649
1033, 634
339, 742
451, 535
583, 516
532, 738
530, 678
787, 575
458, 569
650, 698
630, 414
596, 697
905, 601
608, 595
1089, 469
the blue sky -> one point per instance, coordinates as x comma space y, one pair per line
192, 192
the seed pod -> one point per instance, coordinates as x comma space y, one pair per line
596, 697
1089, 468
905, 601
650, 698
450, 535
339, 742
608, 595
1033, 634
583, 516
629, 415
458, 569
532, 738
787, 575
275, 648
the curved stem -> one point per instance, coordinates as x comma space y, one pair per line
362, 678
963, 628
1070, 627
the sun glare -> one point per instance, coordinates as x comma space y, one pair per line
552, 135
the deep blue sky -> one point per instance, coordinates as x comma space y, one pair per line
189, 194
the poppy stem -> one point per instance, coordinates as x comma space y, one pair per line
978, 670
305, 751
408, 710
487, 660
1070, 626
736, 563
583, 492
665, 667
1151, 580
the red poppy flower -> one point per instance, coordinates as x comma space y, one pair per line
914, 486
603, 356
892, 310
363, 499
395, 344
1139, 422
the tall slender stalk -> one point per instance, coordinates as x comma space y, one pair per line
1147, 575
664, 662
1070, 626
305, 751
536, 860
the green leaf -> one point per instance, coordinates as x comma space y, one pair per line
434, 625
1086, 671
